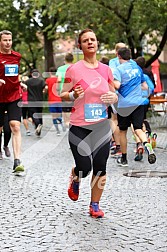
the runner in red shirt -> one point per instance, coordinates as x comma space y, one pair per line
10, 93
54, 100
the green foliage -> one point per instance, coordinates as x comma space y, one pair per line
35, 24
113, 21
163, 68
10, 16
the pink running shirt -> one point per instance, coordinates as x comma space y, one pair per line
95, 82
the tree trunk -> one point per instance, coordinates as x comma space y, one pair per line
48, 52
159, 49
139, 51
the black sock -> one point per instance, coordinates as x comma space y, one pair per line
124, 156
118, 147
139, 144
16, 161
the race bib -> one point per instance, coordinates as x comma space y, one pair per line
95, 112
11, 70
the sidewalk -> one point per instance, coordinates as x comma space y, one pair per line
37, 215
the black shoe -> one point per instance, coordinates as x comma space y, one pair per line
18, 167
122, 162
7, 151
150, 152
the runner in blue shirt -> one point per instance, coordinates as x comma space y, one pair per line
115, 147
130, 82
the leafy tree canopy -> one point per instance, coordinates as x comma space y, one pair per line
35, 24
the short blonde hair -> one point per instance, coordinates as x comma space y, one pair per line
119, 45
6, 32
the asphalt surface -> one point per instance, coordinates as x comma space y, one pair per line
37, 215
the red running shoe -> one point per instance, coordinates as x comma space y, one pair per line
116, 152
94, 210
139, 153
73, 189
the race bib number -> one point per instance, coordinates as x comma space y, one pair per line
11, 70
95, 112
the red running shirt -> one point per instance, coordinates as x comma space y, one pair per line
53, 96
9, 71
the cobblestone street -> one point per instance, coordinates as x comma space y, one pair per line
36, 214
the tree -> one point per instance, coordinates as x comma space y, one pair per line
134, 19
10, 16
129, 21
35, 24
25, 39
45, 22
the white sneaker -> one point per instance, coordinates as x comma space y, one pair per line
28, 133
38, 130
58, 133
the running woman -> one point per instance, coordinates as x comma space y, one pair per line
89, 83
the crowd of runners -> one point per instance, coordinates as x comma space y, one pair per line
96, 100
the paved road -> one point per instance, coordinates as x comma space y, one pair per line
37, 215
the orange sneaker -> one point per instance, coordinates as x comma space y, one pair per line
94, 210
153, 142
73, 189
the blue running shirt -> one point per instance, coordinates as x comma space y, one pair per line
113, 64
130, 75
